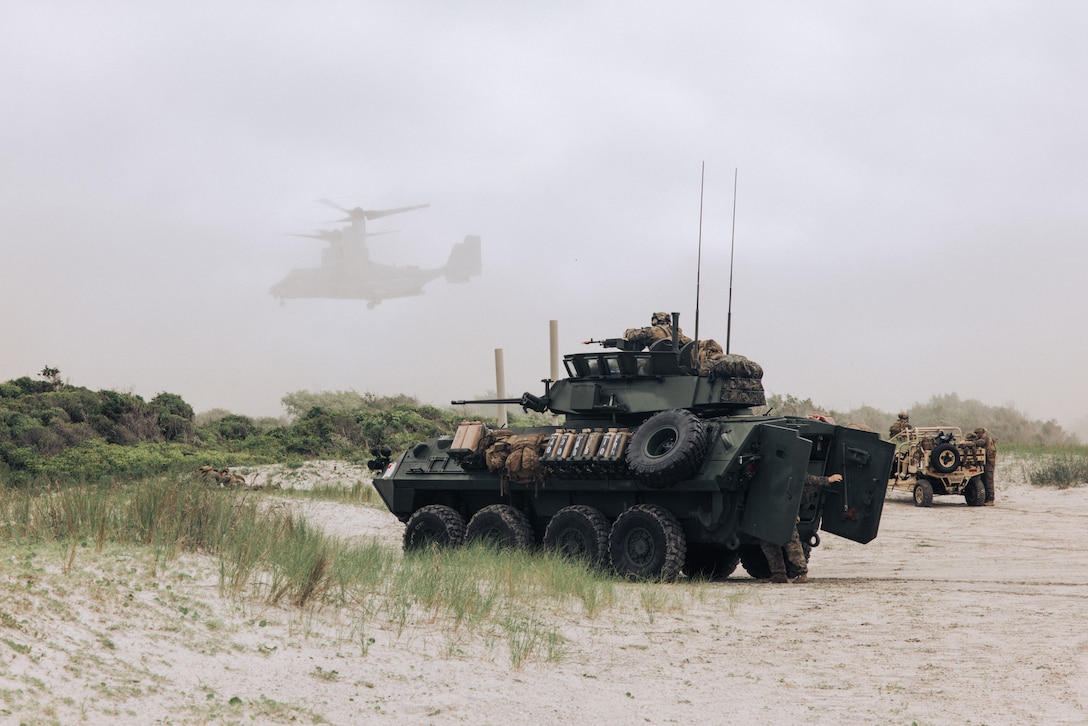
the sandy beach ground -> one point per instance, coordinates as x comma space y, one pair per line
953, 615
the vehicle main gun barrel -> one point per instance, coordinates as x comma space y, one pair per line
528, 401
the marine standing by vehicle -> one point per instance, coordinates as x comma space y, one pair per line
989, 445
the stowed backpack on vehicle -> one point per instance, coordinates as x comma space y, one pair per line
530, 458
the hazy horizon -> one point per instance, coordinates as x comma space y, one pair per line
909, 214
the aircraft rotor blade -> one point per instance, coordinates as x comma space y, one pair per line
376, 213
329, 235
334, 205
367, 214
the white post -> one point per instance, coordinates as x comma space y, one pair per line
500, 387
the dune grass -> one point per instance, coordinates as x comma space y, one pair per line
1059, 471
267, 553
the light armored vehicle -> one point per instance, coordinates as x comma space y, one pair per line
660, 466
937, 460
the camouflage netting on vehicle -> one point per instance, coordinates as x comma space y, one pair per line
743, 378
746, 391
731, 366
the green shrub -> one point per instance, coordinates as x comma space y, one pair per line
18, 458
97, 459
231, 427
1061, 472
175, 416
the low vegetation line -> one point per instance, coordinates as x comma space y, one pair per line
264, 551
1060, 471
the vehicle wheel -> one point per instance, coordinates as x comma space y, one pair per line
923, 493
580, 532
501, 525
435, 525
710, 562
647, 543
945, 459
975, 492
667, 448
754, 561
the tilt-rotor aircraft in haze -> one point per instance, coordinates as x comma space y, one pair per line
347, 272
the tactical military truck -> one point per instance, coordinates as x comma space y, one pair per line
937, 460
660, 466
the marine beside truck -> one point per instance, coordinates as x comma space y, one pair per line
661, 466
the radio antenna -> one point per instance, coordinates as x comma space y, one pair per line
699, 264
732, 244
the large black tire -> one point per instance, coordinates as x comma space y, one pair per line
711, 562
581, 532
501, 525
945, 459
923, 493
435, 525
975, 492
668, 447
754, 561
647, 543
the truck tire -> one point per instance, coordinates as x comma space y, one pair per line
579, 532
975, 492
435, 525
504, 526
668, 447
923, 493
647, 543
945, 459
711, 562
754, 561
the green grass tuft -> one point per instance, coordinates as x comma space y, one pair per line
1060, 471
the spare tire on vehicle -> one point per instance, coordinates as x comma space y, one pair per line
668, 447
945, 459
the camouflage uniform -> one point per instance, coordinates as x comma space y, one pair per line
901, 424
987, 443
710, 350
794, 551
660, 329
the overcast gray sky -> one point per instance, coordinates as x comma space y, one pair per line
910, 218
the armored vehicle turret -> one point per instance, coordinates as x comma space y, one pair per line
661, 465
